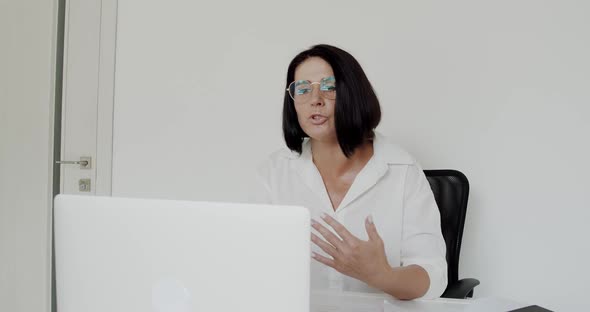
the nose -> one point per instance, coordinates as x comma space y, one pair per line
316, 99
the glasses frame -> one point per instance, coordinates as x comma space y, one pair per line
311, 84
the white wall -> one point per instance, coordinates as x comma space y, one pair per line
27, 71
498, 90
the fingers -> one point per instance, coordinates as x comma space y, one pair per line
371, 229
328, 235
339, 228
327, 261
327, 248
350, 255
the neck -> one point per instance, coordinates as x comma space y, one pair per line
329, 158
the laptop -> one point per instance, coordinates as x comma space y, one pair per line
124, 254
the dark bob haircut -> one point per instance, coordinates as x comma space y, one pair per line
357, 111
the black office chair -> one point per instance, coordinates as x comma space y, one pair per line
451, 192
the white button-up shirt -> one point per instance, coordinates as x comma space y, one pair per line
391, 187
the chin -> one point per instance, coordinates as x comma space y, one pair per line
323, 135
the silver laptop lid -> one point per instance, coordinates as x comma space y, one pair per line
121, 254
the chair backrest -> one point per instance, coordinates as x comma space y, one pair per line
451, 192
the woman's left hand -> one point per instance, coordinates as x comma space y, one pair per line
363, 260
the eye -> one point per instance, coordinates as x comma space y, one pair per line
301, 91
302, 87
328, 84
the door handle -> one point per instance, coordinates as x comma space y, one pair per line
84, 162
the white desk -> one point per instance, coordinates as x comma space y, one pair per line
335, 301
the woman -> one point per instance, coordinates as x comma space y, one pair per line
376, 224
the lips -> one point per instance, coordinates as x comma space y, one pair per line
317, 119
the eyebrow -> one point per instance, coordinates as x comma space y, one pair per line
328, 78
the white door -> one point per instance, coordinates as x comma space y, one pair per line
87, 107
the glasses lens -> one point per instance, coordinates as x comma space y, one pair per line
328, 87
300, 89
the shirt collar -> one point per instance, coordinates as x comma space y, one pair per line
390, 153
384, 154
383, 151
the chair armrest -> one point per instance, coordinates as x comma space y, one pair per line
461, 289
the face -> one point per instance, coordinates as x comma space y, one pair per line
316, 112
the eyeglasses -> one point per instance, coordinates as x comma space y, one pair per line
301, 90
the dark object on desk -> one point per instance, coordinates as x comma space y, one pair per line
451, 192
533, 308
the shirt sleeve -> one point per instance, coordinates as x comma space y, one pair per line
422, 240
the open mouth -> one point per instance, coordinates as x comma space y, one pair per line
318, 119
